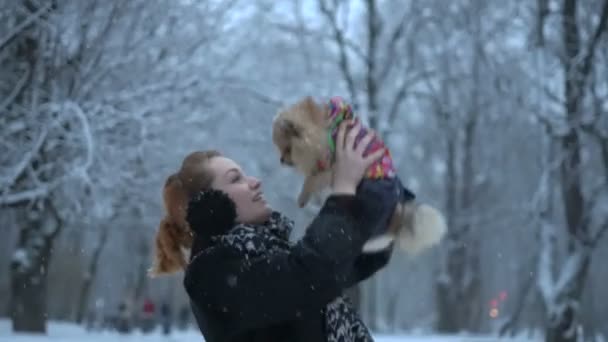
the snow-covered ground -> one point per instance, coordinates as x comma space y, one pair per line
66, 332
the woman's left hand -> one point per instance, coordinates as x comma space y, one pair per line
351, 164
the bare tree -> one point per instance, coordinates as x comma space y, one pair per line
561, 284
90, 274
458, 283
83, 80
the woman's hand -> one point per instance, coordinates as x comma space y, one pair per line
350, 164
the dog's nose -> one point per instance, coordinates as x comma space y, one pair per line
282, 160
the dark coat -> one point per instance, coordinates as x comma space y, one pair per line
281, 298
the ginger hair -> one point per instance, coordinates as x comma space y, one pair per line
174, 233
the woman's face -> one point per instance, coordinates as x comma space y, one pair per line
245, 191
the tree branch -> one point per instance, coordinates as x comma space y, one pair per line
400, 95
26, 161
24, 24
260, 96
599, 30
570, 271
330, 15
592, 128
391, 45
599, 234
527, 285
546, 280
42, 189
86, 132
98, 45
26, 195
348, 43
374, 28
542, 204
16, 90
541, 15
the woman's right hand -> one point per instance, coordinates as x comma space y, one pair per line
350, 164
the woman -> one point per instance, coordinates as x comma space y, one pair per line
245, 279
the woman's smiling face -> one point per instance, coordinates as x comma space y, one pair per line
245, 191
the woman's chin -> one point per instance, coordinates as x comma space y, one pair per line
262, 214
267, 211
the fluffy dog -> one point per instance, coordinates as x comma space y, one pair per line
305, 133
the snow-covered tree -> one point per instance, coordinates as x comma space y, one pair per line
86, 85
570, 204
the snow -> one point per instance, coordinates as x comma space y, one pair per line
68, 332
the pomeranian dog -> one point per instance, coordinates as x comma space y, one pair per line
305, 134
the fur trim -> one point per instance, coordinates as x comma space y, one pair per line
427, 229
211, 212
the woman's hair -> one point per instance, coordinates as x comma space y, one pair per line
174, 234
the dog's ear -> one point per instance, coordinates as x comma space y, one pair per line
316, 112
289, 128
309, 103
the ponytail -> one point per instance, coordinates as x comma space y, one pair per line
173, 234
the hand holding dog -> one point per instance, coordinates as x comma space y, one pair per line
350, 162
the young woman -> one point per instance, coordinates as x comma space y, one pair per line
246, 280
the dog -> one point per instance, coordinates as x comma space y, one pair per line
304, 134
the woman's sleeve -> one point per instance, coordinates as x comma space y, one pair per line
283, 286
368, 264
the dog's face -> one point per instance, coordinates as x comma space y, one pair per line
298, 132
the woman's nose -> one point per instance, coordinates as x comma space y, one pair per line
254, 183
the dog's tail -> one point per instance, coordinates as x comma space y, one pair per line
423, 227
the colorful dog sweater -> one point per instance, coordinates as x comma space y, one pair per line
340, 111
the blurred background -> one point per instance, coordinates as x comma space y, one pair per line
495, 111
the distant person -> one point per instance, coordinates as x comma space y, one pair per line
148, 316
123, 319
165, 317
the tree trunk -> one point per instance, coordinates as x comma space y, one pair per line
564, 308
562, 302
458, 284
141, 281
458, 290
392, 316
28, 309
458, 287
89, 276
